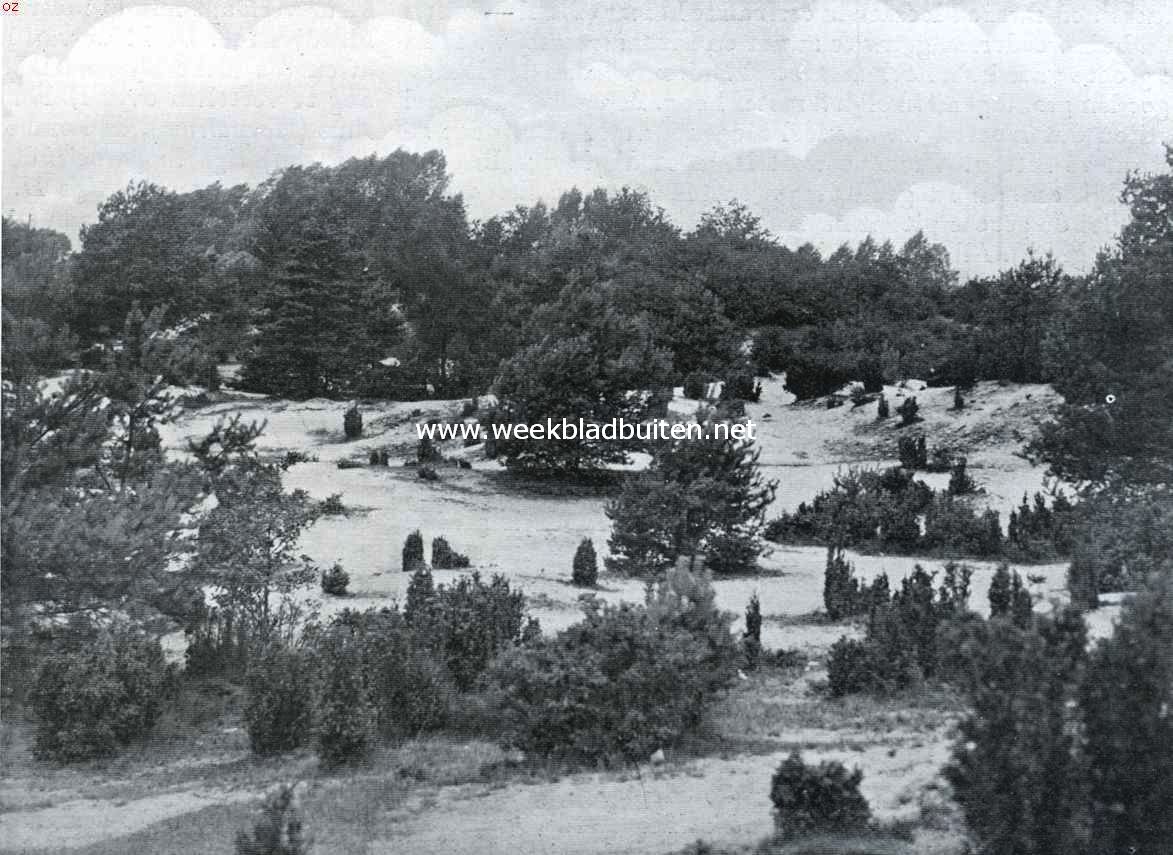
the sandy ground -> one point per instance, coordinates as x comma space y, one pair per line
721, 801
532, 538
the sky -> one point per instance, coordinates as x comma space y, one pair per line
995, 126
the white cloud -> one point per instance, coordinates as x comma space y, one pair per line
1030, 115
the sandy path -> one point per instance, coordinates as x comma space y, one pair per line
81, 822
722, 801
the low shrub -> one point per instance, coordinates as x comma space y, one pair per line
849, 667
427, 473
841, 592
280, 696
472, 621
626, 681
585, 568
294, 457
913, 452
960, 482
346, 715
280, 829
335, 581
444, 557
426, 451
349, 464
751, 638
352, 423
90, 698
903, 644
818, 798
413, 552
217, 644
909, 412
332, 506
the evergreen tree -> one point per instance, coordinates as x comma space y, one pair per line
698, 497
1127, 701
751, 639
841, 597
315, 341
585, 571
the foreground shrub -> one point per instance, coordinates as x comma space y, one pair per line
585, 570
280, 830
346, 714
624, 682
444, 557
825, 797
1016, 771
280, 694
1126, 696
90, 699
849, 668
409, 691
467, 623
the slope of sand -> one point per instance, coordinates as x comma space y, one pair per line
531, 538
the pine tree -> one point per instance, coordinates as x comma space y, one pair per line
699, 497
315, 342
1127, 698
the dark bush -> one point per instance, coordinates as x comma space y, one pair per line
352, 423
958, 400
817, 798
466, 623
281, 690
444, 557
346, 714
741, 386
332, 506
913, 452
91, 698
882, 408
696, 385
812, 374
960, 483
427, 473
909, 412
280, 830
751, 638
841, 594
413, 552
217, 644
1125, 697
335, 581
624, 682
849, 668
426, 451
585, 569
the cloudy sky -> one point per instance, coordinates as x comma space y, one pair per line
995, 126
